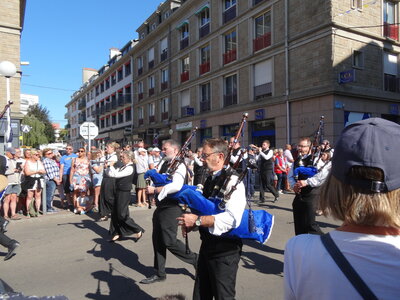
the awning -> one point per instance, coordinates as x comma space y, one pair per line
201, 9
182, 24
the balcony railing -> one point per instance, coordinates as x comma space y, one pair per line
392, 83
230, 99
205, 105
97, 111
229, 14
164, 115
81, 119
141, 122
151, 92
152, 119
204, 68
185, 76
108, 106
164, 55
128, 98
164, 85
102, 109
140, 96
184, 43
229, 56
255, 2
204, 30
114, 103
262, 42
391, 31
81, 105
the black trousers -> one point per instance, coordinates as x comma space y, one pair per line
107, 196
165, 230
5, 240
121, 223
216, 276
304, 214
267, 181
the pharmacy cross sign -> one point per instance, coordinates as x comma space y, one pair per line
88, 130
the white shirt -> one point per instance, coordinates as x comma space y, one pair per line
233, 213
142, 164
120, 172
319, 178
289, 157
265, 156
310, 272
178, 179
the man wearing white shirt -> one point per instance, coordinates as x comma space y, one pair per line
267, 169
165, 223
219, 256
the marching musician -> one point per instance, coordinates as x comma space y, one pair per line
219, 256
165, 223
304, 205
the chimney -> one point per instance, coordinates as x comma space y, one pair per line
113, 52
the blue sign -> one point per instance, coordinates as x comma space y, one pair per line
394, 109
190, 111
260, 114
203, 123
347, 76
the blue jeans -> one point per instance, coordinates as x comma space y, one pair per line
50, 188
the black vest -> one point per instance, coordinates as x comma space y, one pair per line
267, 164
125, 183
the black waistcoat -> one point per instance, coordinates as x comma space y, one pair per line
125, 183
267, 164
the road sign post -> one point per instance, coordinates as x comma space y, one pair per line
88, 130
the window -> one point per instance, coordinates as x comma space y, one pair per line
102, 87
151, 58
185, 102
128, 69
262, 25
164, 108
390, 28
185, 69
262, 79
230, 47
151, 85
128, 114
107, 83
205, 97
230, 90
120, 117
390, 70
153, 26
357, 4
204, 20
97, 90
120, 74
204, 59
140, 65
151, 110
164, 48
229, 10
164, 79
184, 34
358, 59
114, 119
128, 94
140, 90
140, 115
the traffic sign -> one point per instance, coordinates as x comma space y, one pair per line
88, 130
25, 128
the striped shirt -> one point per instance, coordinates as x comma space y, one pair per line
52, 170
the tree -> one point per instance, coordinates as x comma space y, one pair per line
36, 136
63, 135
41, 113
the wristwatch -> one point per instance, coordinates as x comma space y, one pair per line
198, 221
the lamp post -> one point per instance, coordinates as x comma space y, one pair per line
8, 70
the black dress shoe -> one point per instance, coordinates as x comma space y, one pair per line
152, 279
4, 226
11, 250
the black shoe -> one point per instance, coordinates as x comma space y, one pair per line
276, 199
152, 279
11, 250
4, 226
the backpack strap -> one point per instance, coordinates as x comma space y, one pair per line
344, 265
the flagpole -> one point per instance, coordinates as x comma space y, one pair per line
8, 130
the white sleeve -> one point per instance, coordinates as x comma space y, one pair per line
267, 156
178, 179
233, 213
118, 173
319, 178
198, 161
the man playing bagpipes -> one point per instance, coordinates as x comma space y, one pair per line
219, 255
165, 223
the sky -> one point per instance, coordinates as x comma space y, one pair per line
59, 38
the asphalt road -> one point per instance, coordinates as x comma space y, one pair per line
67, 254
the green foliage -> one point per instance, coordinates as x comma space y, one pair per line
36, 135
41, 113
63, 135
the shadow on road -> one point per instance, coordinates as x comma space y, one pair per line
261, 263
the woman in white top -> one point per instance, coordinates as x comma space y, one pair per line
33, 183
142, 165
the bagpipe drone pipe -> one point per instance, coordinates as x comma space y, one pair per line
255, 224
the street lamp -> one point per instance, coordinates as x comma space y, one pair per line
7, 69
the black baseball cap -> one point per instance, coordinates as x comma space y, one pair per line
373, 142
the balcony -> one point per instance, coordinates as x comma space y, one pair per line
391, 31
164, 116
255, 2
230, 99
187, 111
229, 56
121, 100
81, 119
205, 105
204, 68
97, 111
81, 105
128, 98
184, 43
151, 64
141, 122
152, 119
151, 92
140, 71
108, 106
185, 76
140, 96
229, 14
392, 83
164, 56
102, 109
164, 85
262, 42
262, 91
204, 30
114, 103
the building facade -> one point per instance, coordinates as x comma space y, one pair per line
204, 63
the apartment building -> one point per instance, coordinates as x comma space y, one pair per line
204, 63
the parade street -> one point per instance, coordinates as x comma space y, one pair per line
67, 254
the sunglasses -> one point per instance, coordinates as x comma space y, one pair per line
48, 153
81, 151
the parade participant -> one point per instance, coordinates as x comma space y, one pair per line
165, 223
107, 190
122, 224
13, 189
266, 157
65, 168
359, 259
219, 256
52, 177
197, 167
304, 205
